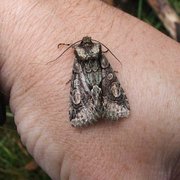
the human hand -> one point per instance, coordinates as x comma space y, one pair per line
144, 146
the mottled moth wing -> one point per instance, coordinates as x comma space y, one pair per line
115, 102
85, 95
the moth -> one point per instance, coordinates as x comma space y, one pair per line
95, 92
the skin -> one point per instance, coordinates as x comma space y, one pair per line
144, 146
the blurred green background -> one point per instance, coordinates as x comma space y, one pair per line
15, 162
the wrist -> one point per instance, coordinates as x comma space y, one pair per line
30, 41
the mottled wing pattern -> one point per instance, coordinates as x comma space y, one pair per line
115, 102
85, 98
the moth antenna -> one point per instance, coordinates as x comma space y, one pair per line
109, 51
64, 44
70, 45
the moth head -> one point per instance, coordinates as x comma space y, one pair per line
87, 50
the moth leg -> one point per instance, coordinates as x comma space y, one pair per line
105, 51
68, 81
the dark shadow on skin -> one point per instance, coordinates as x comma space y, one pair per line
2, 110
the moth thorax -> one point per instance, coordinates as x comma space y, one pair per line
88, 53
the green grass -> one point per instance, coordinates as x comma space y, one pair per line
13, 157
176, 5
